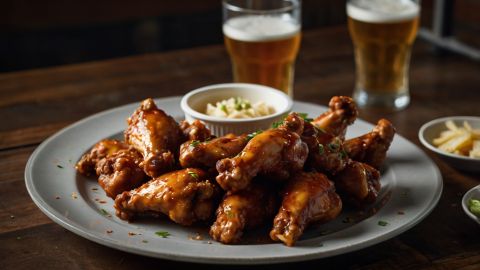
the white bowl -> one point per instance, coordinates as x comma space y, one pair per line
473, 193
195, 102
432, 129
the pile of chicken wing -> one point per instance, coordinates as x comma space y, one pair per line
296, 173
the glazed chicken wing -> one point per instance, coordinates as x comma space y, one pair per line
325, 151
358, 183
156, 135
342, 113
86, 164
308, 197
372, 147
120, 172
195, 131
246, 209
185, 196
206, 154
277, 153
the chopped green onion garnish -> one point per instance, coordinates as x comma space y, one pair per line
304, 116
60, 166
333, 146
279, 123
224, 108
276, 124
163, 234
104, 212
321, 149
194, 143
251, 135
382, 223
193, 174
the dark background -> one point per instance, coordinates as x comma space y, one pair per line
37, 33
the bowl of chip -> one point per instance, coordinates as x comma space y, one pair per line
471, 203
456, 139
236, 107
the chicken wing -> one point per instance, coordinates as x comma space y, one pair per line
86, 164
308, 197
185, 196
372, 147
206, 154
195, 131
120, 172
277, 152
325, 151
358, 183
246, 209
342, 113
156, 135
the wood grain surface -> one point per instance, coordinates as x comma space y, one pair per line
35, 104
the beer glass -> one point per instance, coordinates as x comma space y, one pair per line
383, 32
262, 38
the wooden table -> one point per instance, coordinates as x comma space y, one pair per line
35, 104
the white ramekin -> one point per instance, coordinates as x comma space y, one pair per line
195, 103
432, 129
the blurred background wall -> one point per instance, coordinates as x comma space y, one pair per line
45, 33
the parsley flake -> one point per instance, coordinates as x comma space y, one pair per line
277, 124
333, 146
194, 143
382, 223
104, 212
305, 117
251, 135
321, 149
163, 234
59, 166
193, 174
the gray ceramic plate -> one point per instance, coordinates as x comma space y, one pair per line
411, 187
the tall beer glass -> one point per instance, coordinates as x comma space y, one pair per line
383, 32
262, 38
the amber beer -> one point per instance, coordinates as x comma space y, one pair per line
383, 32
263, 50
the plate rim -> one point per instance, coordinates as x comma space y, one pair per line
50, 211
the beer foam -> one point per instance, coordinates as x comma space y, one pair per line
260, 28
382, 11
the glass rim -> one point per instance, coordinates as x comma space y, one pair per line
232, 7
